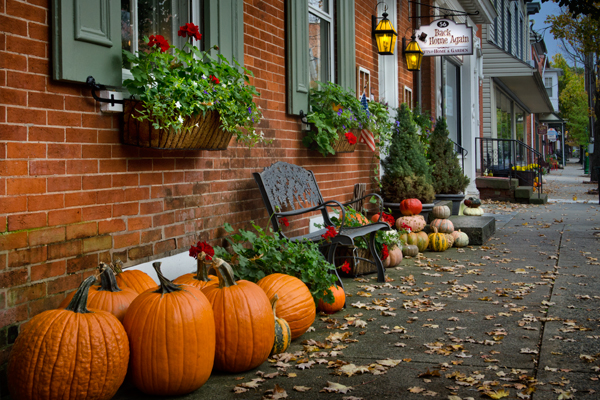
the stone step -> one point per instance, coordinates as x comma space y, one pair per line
543, 199
479, 229
524, 192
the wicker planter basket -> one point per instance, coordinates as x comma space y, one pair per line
199, 132
358, 266
341, 145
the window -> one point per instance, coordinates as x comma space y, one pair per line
509, 36
548, 84
92, 45
320, 41
503, 25
141, 18
520, 38
451, 99
408, 97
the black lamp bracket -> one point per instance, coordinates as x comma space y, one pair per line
91, 82
454, 13
374, 18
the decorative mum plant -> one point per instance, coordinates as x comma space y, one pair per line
333, 110
175, 83
256, 255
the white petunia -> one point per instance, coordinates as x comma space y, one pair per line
178, 104
180, 119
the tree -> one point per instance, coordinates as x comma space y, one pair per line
406, 173
583, 7
581, 36
447, 175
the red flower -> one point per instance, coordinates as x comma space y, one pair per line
385, 253
202, 247
388, 218
350, 137
190, 30
346, 267
215, 80
160, 41
331, 233
284, 221
406, 227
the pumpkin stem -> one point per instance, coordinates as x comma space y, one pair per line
108, 283
78, 303
117, 267
201, 272
224, 272
166, 286
274, 304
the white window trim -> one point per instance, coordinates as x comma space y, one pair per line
195, 10
329, 17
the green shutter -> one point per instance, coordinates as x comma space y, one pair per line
346, 48
296, 26
86, 40
224, 27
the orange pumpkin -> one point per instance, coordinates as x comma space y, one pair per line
358, 217
339, 300
296, 305
411, 207
394, 257
199, 279
172, 337
107, 296
244, 321
72, 353
134, 279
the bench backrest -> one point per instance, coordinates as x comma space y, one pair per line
286, 186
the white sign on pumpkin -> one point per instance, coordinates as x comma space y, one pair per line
445, 37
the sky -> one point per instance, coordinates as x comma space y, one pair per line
548, 8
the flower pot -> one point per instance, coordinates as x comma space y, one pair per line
455, 198
341, 145
199, 132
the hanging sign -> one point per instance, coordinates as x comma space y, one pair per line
552, 135
542, 129
445, 37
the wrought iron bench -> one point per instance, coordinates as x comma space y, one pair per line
289, 190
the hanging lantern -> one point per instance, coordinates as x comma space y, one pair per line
386, 36
413, 54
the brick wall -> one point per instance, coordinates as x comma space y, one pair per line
72, 195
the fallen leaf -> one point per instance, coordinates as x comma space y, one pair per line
497, 394
416, 389
276, 393
333, 387
301, 388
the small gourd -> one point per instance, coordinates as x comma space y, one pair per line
283, 334
437, 241
462, 240
449, 239
410, 250
394, 257
474, 212
442, 225
442, 212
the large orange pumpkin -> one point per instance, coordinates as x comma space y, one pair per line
133, 278
296, 304
172, 337
411, 207
198, 279
244, 321
339, 300
108, 296
72, 353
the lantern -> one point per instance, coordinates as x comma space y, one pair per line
385, 35
413, 54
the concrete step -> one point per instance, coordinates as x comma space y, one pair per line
478, 229
524, 192
543, 199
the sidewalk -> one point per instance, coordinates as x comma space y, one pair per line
563, 184
517, 316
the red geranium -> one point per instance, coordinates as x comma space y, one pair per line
350, 137
388, 218
406, 227
214, 79
346, 267
202, 247
284, 221
385, 252
331, 233
190, 30
160, 41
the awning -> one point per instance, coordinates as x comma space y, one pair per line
486, 13
530, 90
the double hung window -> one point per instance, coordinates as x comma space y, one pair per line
320, 41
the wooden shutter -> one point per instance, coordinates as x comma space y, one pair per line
224, 27
296, 26
86, 40
346, 47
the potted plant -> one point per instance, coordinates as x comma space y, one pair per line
406, 173
186, 99
336, 118
449, 181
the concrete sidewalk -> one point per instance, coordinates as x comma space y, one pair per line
563, 184
519, 315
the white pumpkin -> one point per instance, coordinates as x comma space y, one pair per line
478, 212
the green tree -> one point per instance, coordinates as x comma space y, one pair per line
574, 108
406, 173
580, 35
447, 174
